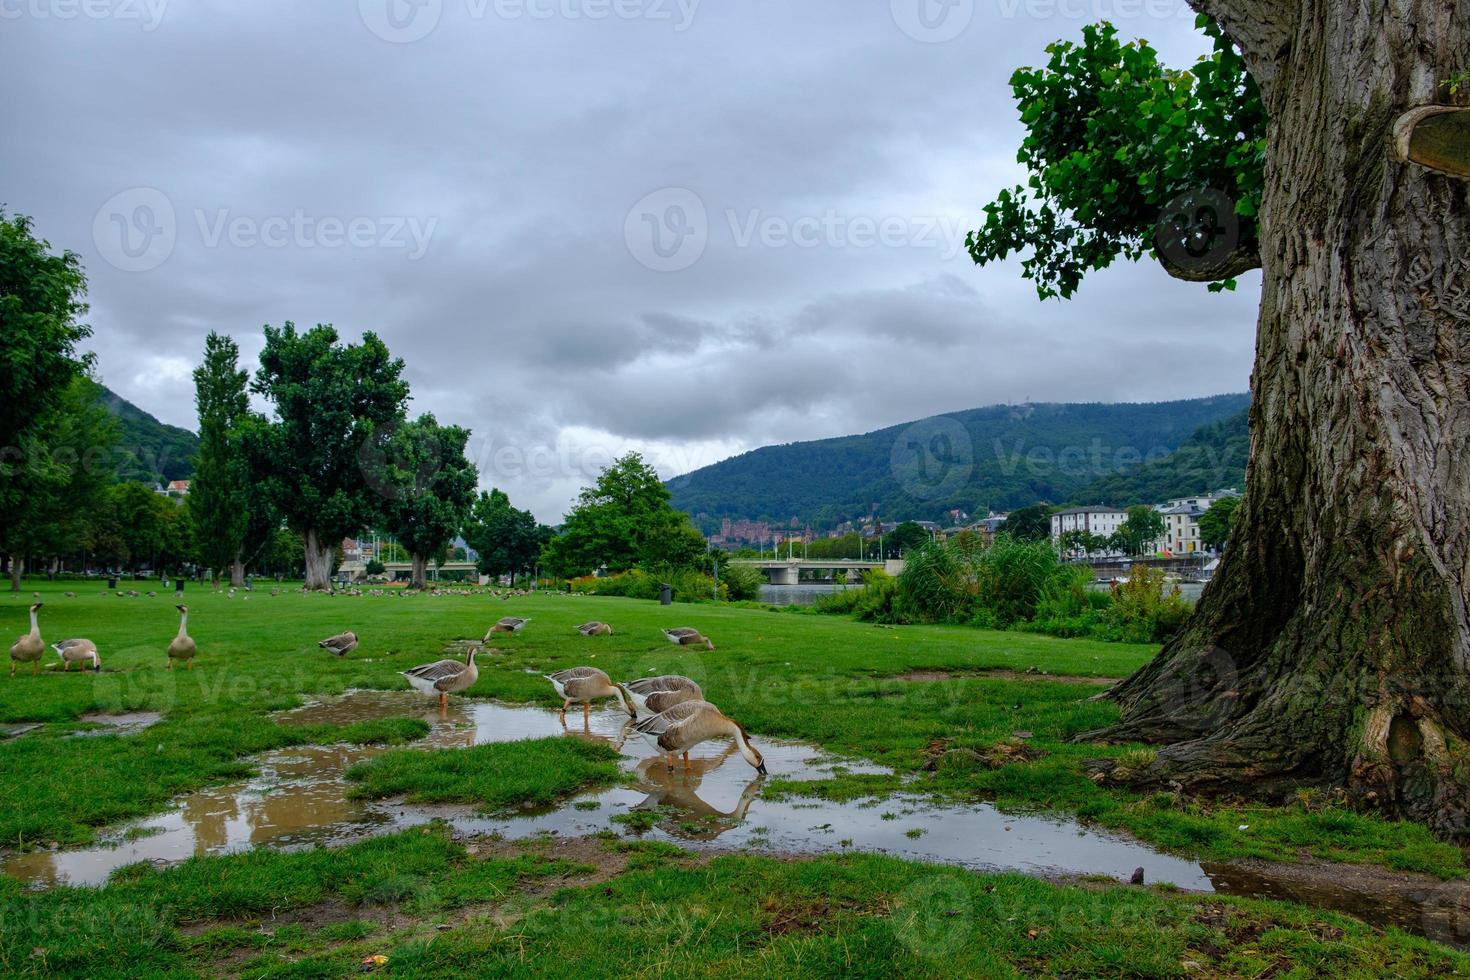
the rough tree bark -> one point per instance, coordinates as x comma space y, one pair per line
17, 571
318, 563
1333, 646
237, 574
419, 576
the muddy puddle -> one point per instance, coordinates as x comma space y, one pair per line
299, 798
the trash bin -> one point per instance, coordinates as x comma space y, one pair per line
665, 594
179, 587
112, 581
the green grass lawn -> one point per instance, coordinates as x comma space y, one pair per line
433, 908
827, 680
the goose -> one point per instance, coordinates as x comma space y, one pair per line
77, 651
684, 636
684, 726
342, 644
182, 647
510, 624
445, 677
585, 684
656, 694
27, 648
595, 628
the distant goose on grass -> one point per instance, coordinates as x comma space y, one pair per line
686, 636
182, 647
586, 684
27, 648
656, 694
77, 651
595, 628
684, 726
342, 644
510, 624
445, 677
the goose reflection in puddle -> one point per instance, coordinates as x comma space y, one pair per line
678, 789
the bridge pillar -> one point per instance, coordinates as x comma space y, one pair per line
785, 575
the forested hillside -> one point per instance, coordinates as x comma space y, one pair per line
994, 458
148, 450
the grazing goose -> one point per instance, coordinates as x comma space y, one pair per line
684, 636
445, 677
77, 651
656, 694
595, 628
510, 624
685, 725
182, 648
585, 684
27, 648
342, 644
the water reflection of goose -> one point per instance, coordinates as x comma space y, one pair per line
678, 789
588, 735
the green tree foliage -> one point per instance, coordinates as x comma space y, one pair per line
1211, 459
63, 466
41, 299
141, 529
320, 461
508, 540
1028, 523
1010, 456
1113, 140
1137, 534
622, 521
1082, 542
905, 538
220, 496
1216, 522
432, 485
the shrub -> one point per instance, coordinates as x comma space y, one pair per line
1144, 609
638, 583
961, 581
742, 582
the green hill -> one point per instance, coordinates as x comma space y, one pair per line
995, 458
1212, 459
148, 450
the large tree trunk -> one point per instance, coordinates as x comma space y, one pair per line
1333, 646
318, 564
419, 577
237, 574
17, 569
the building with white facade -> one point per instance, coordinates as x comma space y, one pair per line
1100, 521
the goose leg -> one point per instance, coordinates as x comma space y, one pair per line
169, 665
36, 669
564, 706
586, 713
12, 668
190, 665
687, 766
670, 760
443, 702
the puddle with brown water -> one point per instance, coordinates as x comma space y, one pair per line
299, 798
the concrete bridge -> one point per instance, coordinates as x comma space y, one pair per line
787, 571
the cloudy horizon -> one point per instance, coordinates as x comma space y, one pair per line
587, 226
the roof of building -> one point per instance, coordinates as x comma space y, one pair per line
1089, 510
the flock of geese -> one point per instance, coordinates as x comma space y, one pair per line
674, 718
30, 649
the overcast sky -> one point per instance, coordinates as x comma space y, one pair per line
689, 228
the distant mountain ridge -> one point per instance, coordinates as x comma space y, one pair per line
148, 450
1213, 458
995, 458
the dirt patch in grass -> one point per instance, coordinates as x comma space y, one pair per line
782, 915
1000, 675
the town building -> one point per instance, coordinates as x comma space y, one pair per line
1103, 522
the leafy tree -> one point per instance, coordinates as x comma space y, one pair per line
1136, 535
321, 460
1216, 522
1286, 674
1028, 523
220, 497
375, 567
41, 299
64, 465
1081, 541
508, 540
432, 484
622, 521
1118, 145
905, 538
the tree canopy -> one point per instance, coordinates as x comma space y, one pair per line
507, 540
1216, 522
1143, 527
624, 520
430, 484
220, 496
1127, 158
